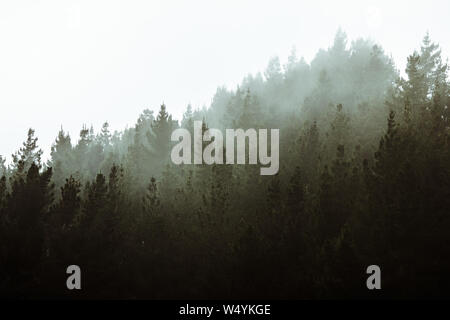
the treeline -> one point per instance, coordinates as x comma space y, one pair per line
364, 179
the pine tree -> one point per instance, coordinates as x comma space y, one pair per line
70, 203
250, 114
105, 137
81, 151
273, 71
28, 154
62, 226
188, 120
26, 209
431, 65
95, 204
159, 137
61, 158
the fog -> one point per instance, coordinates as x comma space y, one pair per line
69, 63
122, 96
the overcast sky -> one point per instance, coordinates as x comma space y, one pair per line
73, 62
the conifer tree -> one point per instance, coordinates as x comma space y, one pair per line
28, 154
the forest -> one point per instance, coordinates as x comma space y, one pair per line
363, 179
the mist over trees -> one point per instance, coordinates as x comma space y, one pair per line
364, 179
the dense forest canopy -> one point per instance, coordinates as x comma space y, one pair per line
364, 179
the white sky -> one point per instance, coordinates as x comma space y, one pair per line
72, 62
